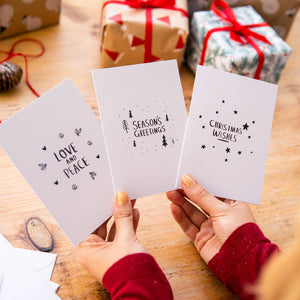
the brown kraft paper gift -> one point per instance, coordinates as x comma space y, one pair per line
132, 35
19, 16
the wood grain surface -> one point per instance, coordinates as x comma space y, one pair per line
72, 50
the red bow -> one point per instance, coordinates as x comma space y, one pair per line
238, 32
151, 3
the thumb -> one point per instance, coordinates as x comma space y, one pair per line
123, 216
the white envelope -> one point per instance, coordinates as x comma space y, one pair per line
42, 262
20, 281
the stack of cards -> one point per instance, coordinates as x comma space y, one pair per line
146, 144
29, 271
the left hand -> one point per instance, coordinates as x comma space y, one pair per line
101, 250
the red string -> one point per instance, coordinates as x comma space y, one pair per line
11, 54
148, 36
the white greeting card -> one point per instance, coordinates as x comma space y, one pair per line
57, 144
227, 134
143, 115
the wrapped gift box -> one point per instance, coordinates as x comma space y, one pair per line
279, 14
224, 53
136, 35
18, 16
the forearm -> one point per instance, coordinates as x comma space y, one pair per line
137, 276
241, 258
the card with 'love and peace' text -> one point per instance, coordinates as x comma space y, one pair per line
57, 144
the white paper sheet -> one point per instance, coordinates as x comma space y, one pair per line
42, 262
227, 134
19, 280
57, 144
143, 115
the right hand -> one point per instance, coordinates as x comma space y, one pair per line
208, 231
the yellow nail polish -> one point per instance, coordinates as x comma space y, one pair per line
122, 198
188, 181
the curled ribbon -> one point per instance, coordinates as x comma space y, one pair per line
148, 5
238, 32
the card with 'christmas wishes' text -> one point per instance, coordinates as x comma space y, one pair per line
57, 144
227, 134
143, 115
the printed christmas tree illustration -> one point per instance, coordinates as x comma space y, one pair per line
125, 126
167, 118
130, 114
164, 142
134, 144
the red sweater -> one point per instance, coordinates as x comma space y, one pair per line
237, 265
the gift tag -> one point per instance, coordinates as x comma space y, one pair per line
57, 144
143, 114
227, 134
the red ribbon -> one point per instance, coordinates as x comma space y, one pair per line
11, 54
238, 32
148, 5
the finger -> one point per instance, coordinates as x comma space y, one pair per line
193, 213
91, 239
197, 194
205, 234
101, 231
184, 222
112, 233
123, 216
136, 218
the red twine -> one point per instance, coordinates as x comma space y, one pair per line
238, 32
11, 54
148, 5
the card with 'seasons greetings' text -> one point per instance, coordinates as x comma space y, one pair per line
143, 115
227, 134
57, 144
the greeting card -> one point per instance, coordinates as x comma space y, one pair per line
227, 134
57, 144
143, 115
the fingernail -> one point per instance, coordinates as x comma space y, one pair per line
188, 181
122, 198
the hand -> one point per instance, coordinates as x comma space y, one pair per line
208, 229
98, 255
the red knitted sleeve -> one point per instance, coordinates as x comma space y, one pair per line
137, 276
241, 258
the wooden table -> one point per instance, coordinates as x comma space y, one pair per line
72, 50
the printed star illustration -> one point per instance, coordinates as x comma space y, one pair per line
230, 132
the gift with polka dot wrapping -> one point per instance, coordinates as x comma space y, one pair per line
26, 15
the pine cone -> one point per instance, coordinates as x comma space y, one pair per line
10, 75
